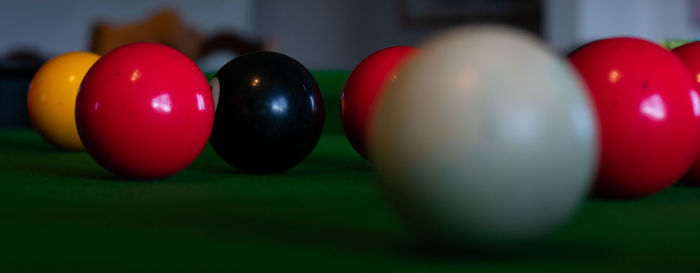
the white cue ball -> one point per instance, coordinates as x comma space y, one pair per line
486, 139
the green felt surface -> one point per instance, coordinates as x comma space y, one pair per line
61, 212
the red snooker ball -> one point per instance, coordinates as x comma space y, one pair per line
648, 113
362, 89
690, 55
144, 111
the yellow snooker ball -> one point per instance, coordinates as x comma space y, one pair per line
51, 98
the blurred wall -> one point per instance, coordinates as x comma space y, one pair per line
54, 27
338, 34
333, 34
569, 23
328, 33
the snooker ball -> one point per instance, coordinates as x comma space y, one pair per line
648, 111
690, 55
269, 112
144, 111
51, 98
486, 139
364, 85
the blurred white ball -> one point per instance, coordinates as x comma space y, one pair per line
486, 139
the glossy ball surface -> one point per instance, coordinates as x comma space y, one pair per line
269, 112
364, 85
690, 55
51, 98
648, 112
486, 139
144, 111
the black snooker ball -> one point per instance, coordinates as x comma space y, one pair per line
269, 112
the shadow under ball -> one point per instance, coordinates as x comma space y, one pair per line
269, 112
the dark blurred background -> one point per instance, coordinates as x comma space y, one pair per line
337, 34
321, 34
